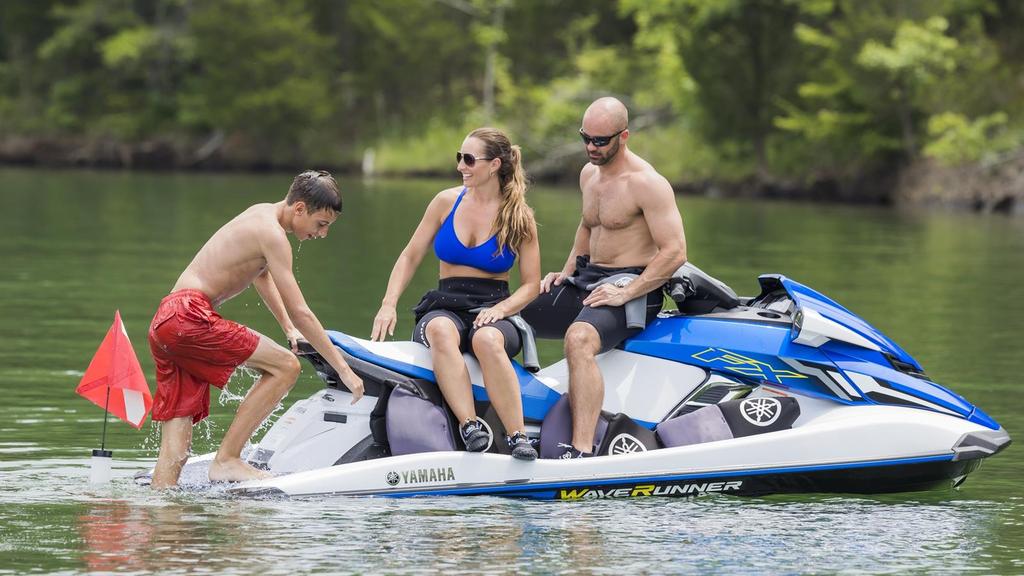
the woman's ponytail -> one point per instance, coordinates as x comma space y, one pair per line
514, 223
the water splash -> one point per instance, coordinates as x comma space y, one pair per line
151, 441
228, 397
245, 375
204, 430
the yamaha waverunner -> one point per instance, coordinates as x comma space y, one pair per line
785, 392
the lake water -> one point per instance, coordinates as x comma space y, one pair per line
75, 246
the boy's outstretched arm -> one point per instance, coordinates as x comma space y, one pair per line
278, 252
264, 284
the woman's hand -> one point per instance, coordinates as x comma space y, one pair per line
489, 316
384, 323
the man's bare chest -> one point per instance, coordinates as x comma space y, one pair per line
609, 208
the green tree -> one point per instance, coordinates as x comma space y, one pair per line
882, 70
115, 65
23, 27
260, 75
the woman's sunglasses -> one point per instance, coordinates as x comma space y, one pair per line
468, 158
599, 141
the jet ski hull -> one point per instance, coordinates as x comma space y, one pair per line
843, 449
439, 475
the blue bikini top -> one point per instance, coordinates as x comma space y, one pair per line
450, 249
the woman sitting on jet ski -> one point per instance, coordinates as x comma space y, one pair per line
477, 229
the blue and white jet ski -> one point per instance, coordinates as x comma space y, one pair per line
786, 392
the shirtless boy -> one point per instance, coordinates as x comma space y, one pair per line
630, 224
194, 347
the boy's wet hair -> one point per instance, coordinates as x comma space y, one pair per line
318, 189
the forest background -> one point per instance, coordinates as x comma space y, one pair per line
893, 101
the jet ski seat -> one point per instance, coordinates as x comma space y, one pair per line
693, 291
696, 292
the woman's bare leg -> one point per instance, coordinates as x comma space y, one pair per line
450, 367
499, 378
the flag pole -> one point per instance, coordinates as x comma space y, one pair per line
99, 465
106, 411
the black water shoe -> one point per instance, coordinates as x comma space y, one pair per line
474, 435
572, 453
522, 447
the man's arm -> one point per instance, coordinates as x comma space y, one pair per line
657, 202
278, 252
264, 285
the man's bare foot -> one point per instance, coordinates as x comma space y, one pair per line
234, 470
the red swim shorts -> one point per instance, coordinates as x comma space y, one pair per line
193, 347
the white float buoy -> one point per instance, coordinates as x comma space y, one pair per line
99, 466
369, 164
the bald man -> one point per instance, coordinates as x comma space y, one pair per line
630, 224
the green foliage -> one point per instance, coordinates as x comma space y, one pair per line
128, 46
921, 51
959, 140
260, 72
882, 69
431, 152
717, 89
116, 67
741, 62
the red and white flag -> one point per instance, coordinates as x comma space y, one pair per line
114, 380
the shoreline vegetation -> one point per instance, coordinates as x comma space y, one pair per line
994, 187
901, 102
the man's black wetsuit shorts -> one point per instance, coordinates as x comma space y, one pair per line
551, 314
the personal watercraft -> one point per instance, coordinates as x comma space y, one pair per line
784, 392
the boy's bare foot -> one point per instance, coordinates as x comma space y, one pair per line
234, 470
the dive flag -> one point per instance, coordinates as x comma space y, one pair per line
114, 380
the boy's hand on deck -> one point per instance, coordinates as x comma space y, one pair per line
294, 337
354, 384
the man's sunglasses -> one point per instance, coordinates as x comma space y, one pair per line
468, 158
599, 141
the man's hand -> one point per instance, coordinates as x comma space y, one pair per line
384, 323
607, 295
552, 279
354, 384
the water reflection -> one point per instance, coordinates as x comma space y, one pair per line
489, 535
113, 533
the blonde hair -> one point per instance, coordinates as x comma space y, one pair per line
514, 223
